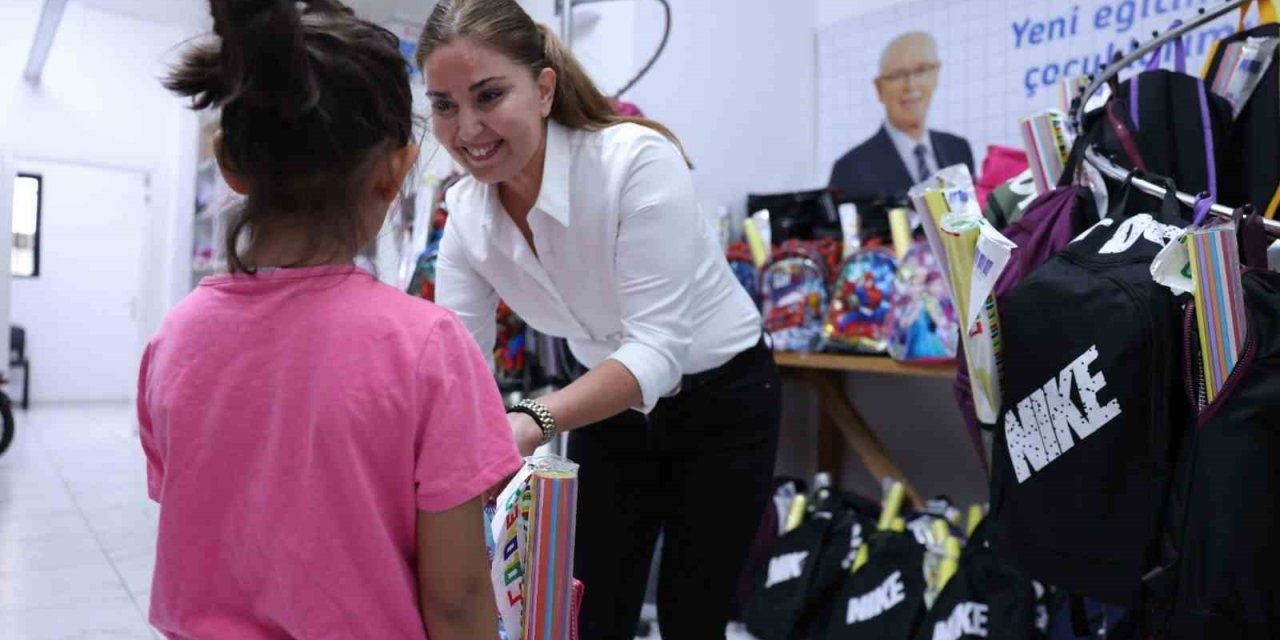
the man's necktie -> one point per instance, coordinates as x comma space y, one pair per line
922, 167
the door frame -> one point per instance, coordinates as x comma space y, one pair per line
7, 175
151, 283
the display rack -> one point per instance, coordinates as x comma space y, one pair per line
1117, 173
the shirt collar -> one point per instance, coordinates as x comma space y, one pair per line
903, 141
553, 196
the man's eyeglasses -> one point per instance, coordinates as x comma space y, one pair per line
919, 74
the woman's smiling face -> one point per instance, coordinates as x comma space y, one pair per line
486, 109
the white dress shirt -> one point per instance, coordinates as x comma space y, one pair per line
907, 151
627, 267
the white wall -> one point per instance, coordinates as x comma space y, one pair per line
829, 11
737, 85
100, 102
603, 41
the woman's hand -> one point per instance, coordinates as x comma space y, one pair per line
526, 432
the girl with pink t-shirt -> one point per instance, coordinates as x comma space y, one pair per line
318, 442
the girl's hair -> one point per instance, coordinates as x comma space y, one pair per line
504, 26
312, 100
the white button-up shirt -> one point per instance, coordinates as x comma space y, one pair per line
627, 266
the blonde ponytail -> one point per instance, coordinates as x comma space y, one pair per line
578, 103
503, 25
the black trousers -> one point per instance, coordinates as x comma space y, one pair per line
699, 469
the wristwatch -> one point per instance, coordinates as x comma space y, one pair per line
541, 416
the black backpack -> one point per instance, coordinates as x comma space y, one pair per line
1255, 157
885, 598
1170, 124
1222, 565
986, 598
1084, 447
806, 566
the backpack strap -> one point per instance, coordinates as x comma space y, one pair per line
1115, 119
1204, 204
1266, 9
1209, 59
1170, 211
1179, 52
1121, 130
1206, 125
1179, 65
1252, 235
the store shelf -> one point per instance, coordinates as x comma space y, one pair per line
863, 364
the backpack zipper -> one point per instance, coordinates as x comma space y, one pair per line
1194, 368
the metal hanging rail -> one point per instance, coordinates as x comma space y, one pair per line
1112, 170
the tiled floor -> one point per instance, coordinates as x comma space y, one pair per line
77, 532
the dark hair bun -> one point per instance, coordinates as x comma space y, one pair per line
307, 94
264, 55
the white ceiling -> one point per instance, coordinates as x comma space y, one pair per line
194, 14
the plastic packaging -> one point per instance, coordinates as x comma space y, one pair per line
759, 237
510, 530
549, 613
849, 229
532, 526
972, 254
923, 321
794, 293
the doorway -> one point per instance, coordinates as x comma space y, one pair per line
80, 307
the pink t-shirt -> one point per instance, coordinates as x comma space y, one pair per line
294, 422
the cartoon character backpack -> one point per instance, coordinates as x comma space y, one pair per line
794, 291
858, 318
923, 324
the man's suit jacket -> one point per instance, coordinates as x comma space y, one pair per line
874, 169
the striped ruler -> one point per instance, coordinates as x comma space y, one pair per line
548, 613
1228, 69
1220, 314
1047, 138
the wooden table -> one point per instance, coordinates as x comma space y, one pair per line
825, 374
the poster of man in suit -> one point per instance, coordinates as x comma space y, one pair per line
904, 151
